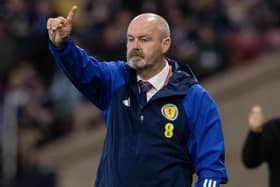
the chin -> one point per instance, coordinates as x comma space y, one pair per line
137, 64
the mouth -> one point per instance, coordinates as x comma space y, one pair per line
136, 54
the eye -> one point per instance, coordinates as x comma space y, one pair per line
144, 39
130, 39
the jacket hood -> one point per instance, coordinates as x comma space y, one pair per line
182, 76
183, 68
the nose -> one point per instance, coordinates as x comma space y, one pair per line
135, 44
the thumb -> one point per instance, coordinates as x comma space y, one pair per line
257, 108
256, 119
71, 14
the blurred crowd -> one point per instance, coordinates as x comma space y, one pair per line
210, 35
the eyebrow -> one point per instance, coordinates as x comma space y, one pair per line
141, 36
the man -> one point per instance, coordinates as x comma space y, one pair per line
262, 143
161, 124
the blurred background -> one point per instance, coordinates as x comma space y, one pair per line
51, 136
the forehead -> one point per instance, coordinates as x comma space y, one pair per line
143, 26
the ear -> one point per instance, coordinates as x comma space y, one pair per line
165, 44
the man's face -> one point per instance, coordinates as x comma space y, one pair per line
144, 44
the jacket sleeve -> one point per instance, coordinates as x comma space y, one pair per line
260, 147
206, 141
251, 152
96, 80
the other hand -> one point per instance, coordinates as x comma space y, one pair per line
256, 119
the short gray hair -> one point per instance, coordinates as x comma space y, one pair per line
163, 25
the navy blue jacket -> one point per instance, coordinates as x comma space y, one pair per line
177, 133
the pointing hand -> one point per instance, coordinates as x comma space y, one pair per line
60, 28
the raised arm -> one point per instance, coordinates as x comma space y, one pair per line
96, 80
252, 151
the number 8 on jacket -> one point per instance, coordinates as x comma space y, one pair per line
169, 127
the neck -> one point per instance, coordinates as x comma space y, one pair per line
151, 71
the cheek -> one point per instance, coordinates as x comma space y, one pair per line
149, 50
128, 47
128, 50
152, 51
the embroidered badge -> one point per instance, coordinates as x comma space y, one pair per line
168, 130
170, 111
126, 102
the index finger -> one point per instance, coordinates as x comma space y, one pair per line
72, 13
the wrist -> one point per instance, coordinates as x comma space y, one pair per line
256, 129
60, 45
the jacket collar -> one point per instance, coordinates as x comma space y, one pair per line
183, 68
182, 78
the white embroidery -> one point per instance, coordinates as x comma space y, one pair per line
126, 102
